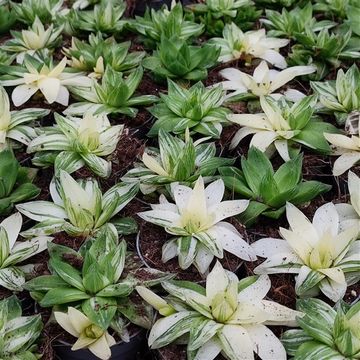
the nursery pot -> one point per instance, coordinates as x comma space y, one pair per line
120, 351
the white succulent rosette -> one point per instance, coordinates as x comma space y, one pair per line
196, 220
78, 142
324, 256
34, 39
51, 81
263, 81
228, 317
89, 335
252, 44
283, 127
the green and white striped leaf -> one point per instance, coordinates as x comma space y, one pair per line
202, 333
12, 278
292, 339
167, 330
312, 350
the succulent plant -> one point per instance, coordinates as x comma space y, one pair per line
35, 75
28, 10
269, 190
19, 334
235, 44
13, 252
166, 22
105, 17
244, 86
89, 335
215, 14
15, 126
175, 161
341, 96
95, 54
325, 257
113, 95
32, 40
75, 143
285, 127
99, 280
324, 49
297, 20
326, 332
228, 317
176, 59
195, 220
78, 207
196, 108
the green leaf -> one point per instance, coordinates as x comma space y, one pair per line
122, 289
268, 189
125, 226
308, 190
289, 174
313, 135
45, 283
60, 296
252, 212
4, 245
68, 273
318, 321
235, 181
23, 192
100, 310
94, 279
139, 313
13, 307
168, 329
292, 339
9, 168
312, 279
275, 214
255, 168
312, 350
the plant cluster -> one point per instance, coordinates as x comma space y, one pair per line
19, 334
215, 14
200, 134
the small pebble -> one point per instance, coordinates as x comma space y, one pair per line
353, 293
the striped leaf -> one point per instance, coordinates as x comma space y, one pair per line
12, 278
68, 273
167, 330
68, 161
292, 339
312, 350
202, 332
60, 296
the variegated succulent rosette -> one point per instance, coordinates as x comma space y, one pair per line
324, 256
196, 221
